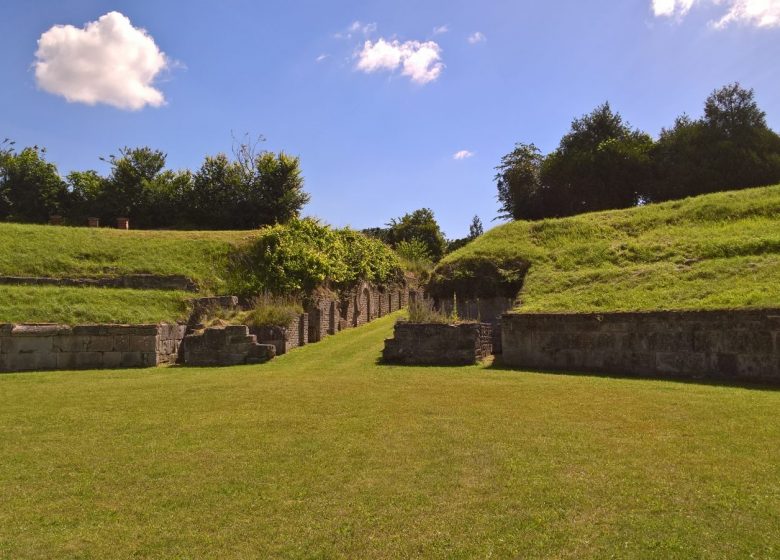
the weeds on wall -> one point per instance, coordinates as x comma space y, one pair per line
265, 310
424, 311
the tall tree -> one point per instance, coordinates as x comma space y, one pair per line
730, 147
518, 180
31, 189
421, 225
601, 163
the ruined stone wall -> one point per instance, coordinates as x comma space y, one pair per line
438, 344
734, 344
286, 337
486, 310
50, 347
225, 346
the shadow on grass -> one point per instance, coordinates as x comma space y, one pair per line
498, 365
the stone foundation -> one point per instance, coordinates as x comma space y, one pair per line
734, 344
438, 344
284, 338
225, 346
51, 347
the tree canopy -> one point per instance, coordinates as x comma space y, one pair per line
603, 163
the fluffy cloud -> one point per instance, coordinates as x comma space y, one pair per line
477, 37
107, 61
759, 13
463, 154
420, 61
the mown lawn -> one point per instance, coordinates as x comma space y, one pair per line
718, 250
324, 453
74, 306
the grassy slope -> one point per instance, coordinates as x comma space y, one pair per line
714, 251
33, 250
309, 456
73, 306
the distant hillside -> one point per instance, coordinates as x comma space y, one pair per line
714, 251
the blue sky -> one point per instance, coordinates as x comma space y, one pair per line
377, 124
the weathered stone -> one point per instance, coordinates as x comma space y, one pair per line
439, 344
143, 343
740, 344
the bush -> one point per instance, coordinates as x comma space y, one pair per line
298, 257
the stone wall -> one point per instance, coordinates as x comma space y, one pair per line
735, 344
225, 346
50, 347
486, 310
130, 281
438, 344
284, 338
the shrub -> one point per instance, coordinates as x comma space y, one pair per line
298, 257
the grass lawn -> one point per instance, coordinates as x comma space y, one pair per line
74, 306
34, 250
719, 250
324, 453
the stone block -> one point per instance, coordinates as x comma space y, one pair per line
112, 360
40, 330
89, 360
121, 343
150, 359
131, 360
143, 343
100, 344
28, 344
37, 361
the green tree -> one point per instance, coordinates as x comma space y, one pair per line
601, 163
518, 180
255, 189
421, 225
475, 229
730, 147
31, 189
131, 173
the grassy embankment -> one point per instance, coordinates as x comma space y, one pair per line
65, 252
714, 251
312, 457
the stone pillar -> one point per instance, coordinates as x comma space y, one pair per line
123, 223
93, 222
55, 220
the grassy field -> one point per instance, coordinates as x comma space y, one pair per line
324, 453
33, 250
714, 251
73, 306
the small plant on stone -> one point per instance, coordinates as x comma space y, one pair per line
423, 311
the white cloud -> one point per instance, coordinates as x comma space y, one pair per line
322, 57
441, 29
758, 13
420, 61
357, 28
107, 61
669, 8
477, 37
462, 154
761, 13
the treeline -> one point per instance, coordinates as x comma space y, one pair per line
603, 163
251, 189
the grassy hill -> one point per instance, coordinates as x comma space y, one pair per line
70, 252
713, 251
73, 252
314, 457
